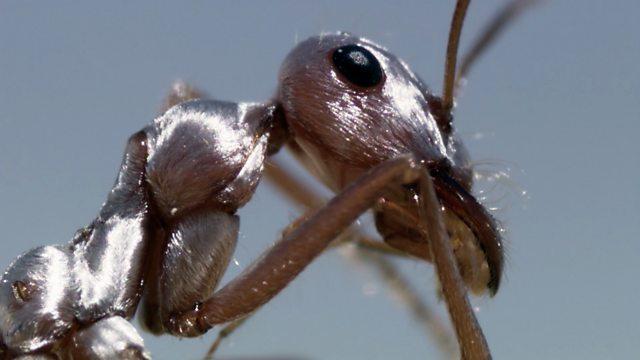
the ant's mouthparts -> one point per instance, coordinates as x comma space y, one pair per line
455, 197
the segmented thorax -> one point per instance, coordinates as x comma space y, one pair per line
206, 153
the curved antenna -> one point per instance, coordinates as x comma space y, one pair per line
452, 53
495, 27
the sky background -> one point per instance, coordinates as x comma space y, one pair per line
555, 103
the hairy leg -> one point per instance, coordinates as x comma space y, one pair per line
371, 253
268, 275
279, 265
473, 344
367, 251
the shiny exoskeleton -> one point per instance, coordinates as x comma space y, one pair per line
353, 113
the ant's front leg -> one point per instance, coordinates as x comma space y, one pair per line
371, 253
273, 271
266, 277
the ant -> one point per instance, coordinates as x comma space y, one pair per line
354, 114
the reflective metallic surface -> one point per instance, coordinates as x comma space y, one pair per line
31, 324
342, 129
78, 78
344, 125
110, 338
198, 148
200, 154
108, 256
168, 228
205, 160
50, 290
198, 253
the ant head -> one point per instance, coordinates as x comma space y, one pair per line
35, 299
350, 105
348, 99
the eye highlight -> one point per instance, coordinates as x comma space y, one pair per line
358, 65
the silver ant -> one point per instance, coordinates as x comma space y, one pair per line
354, 114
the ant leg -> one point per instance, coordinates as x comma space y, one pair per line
279, 265
307, 199
473, 344
369, 252
271, 273
302, 195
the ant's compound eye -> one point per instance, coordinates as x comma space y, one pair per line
21, 291
358, 65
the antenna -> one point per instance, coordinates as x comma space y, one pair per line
452, 53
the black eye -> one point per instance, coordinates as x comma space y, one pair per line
358, 65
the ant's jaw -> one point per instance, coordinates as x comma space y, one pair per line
471, 259
473, 232
469, 223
